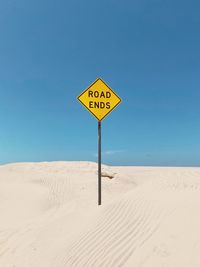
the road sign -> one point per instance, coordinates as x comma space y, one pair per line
99, 99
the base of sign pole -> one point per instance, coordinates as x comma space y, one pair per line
99, 162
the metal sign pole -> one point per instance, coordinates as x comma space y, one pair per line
99, 162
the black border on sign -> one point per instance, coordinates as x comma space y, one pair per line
120, 100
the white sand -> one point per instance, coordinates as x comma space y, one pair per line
49, 216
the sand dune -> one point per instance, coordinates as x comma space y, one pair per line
50, 218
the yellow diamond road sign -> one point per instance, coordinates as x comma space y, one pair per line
99, 99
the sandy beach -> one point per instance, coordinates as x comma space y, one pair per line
50, 218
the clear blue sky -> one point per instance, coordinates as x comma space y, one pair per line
148, 52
